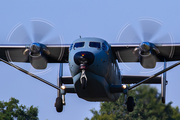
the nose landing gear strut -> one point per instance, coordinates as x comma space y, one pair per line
83, 79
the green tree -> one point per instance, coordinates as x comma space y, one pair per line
148, 107
11, 110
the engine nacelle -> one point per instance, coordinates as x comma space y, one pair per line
38, 62
148, 61
37, 55
147, 54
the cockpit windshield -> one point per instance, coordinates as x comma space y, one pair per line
94, 44
78, 45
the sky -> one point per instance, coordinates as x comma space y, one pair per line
71, 19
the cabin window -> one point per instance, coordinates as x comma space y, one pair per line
78, 45
94, 44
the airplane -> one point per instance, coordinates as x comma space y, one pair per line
93, 62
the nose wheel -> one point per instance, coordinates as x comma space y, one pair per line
83, 83
83, 79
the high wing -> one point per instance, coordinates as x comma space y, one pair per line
14, 53
124, 52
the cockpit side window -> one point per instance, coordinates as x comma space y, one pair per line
70, 48
105, 47
95, 44
78, 45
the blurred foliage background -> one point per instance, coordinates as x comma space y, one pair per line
148, 107
12, 110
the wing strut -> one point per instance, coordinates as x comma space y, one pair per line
30, 74
155, 75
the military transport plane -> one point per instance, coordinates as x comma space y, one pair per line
93, 62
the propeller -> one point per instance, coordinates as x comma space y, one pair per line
36, 52
148, 42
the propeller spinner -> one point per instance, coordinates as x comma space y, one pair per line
145, 49
36, 50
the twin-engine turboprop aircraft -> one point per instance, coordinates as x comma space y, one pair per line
93, 62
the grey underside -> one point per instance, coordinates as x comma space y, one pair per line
126, 79
97, 88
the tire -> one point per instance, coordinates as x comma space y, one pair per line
83, 84
59, 105
130, 104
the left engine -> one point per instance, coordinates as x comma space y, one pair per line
37, 54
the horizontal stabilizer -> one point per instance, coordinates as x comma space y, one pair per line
132, 79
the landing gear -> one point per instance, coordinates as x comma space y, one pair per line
83, 83
83, 79
130, 104
60, 100
59, 104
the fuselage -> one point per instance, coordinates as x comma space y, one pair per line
102, 69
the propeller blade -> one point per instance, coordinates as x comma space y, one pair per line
165, 39
128, 35
124, 55
31, 69
149, 28
58, 53
41, 29
54, 40
19, 35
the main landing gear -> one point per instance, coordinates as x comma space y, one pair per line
60, 101
59, 104
130, 104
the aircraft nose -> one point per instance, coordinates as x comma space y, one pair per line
84, 57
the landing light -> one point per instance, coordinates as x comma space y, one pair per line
124, 86
63, 87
